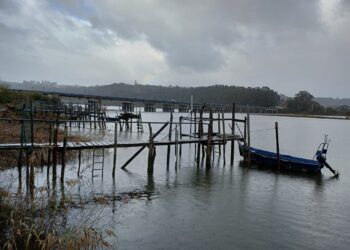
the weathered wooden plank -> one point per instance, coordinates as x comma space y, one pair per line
143, 147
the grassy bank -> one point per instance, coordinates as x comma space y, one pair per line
307, 116
11, 129
39, 222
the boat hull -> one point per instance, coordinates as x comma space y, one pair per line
287, 162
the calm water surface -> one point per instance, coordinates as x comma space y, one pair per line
226, 207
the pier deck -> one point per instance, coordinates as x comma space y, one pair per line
96, 145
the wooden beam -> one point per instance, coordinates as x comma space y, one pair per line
143, 147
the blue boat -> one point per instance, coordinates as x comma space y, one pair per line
287, 162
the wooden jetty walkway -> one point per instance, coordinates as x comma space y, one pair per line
100, 145
199, 132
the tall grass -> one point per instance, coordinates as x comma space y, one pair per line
8, 96
40, 222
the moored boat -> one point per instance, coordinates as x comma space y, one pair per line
287, 162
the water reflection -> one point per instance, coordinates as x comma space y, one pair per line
222, 207
318, 179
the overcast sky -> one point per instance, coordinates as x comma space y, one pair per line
287, 45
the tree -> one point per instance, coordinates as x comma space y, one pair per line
303, 103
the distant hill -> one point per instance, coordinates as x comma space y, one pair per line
326, 101
222, 94
332, 102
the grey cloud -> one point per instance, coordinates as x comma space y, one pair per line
188, 33
286, 44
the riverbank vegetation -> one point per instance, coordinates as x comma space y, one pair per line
303, 104
12, 109
39, 221
9, 97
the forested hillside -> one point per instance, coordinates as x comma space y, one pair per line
222, 94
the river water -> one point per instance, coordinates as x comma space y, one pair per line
225, 207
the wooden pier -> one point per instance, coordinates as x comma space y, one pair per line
200, 132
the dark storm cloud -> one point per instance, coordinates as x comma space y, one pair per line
190, 33
288, 45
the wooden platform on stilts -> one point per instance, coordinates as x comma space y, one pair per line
218, 139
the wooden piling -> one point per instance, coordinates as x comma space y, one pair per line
223, 136
79, 162
94, 106
89, 110
31, 177
49, 148
20, 153
199, 135
195, 132
191, 122
248, 135
151, 151
115, 148
176, 147
27, 167
31, 123
54, 153
181, 133
64, 152
277, 147
233, 133
169, 137
143, 147
209, 142
20, 162
245, 131
131, 122
202, 132
219, 132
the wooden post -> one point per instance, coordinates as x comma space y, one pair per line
219, 132
120, 126
70, 115
20, 162
54, 154
202, 132
64, 152
209, 142
176, 147
245, 131
27, 167
191, 122
199, 135
31, 123
49, 149
78, 117
89, 109
84, 116
79, 163
223, 137
181, 134
151, 151
277, 147
195, 131
233, 133
20, 154
115, 148
151, 157
248, 132
99, 116
169, 137
143, 147
131, 122
31, 177
94, 103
